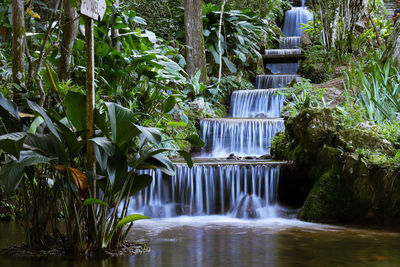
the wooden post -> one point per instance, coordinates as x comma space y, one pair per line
90, 96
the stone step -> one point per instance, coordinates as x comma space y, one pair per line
222, 161
283, 52
288, 58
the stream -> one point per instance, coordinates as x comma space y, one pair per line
224, 241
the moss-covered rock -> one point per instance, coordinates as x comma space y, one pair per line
326, 202
344, 186
312, 127
352, 139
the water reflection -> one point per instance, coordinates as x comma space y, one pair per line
225, 241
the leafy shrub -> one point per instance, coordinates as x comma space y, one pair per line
302, 95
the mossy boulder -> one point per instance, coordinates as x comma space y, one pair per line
362, 138
344, 186
312, 127
326, 201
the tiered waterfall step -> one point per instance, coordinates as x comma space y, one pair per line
245, 191
282, 52
292, 42
242, 137
275, 80
295, 19
257, 103
282, 56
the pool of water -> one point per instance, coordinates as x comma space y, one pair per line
223, 241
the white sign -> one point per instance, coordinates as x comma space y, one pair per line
94, 9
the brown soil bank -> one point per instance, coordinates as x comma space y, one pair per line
344, 187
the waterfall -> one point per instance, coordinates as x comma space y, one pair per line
294, 18
242, 137
290, 42
280, 68
283, 52
215, 184
256, 103
274, 81
210, 189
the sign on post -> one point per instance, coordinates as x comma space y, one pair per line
94, 9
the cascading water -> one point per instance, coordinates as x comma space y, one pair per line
243, 189
290, 42
242, 137
275, 81
210, 189
294, 20
257, 103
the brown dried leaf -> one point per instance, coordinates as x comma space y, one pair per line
77, 177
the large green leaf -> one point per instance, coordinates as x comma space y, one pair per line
50, 78
131, 218
144, 155
75, 104
187, 157
9, 106
230, 65
105, 143
160, 162
10, 176
169, 104
91, 201
121, 122
45, 144
152, 134
139, 182
117, 169
12, 143
35, 107
29, 157
35, 124
195, 140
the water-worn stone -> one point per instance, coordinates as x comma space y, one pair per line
363, 138
312, 127
343, 187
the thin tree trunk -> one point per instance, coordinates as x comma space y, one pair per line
195, 52
68, 40
393, 44
335, 25
18, 44
115, 33
219, 42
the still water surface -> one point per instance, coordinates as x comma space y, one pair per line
223, 241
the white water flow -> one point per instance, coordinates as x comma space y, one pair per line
215, 184
259, 103
243, 191
295, 19
242, 137
291, 42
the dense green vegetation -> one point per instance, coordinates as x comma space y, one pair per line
146, 107
343, 134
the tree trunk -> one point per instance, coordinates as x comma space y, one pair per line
195, 52
18, 44
70, 32
335, 25
393, 45
115, 32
